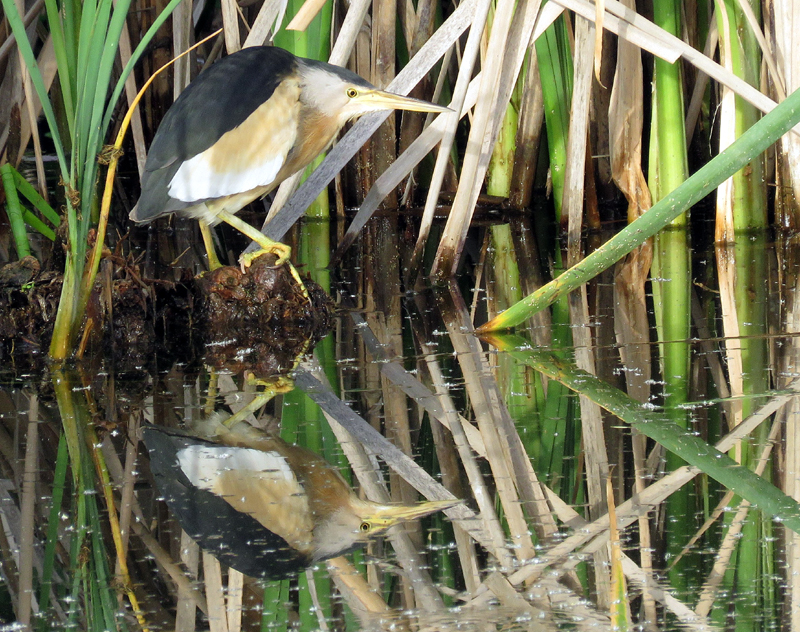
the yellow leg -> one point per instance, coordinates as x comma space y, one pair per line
272, 388
267, 245
211, 251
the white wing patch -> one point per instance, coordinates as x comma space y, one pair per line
203, 464
198, 178
248, 156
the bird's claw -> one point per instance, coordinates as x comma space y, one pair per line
273, 386
282, 251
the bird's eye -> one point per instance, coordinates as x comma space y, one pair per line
364, 527
352, 93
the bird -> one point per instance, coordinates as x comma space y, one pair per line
243, 126
262, 506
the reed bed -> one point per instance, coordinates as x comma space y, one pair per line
606, 388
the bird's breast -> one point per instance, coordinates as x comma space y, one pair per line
315, 133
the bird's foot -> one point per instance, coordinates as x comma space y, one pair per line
282, 251
272, 386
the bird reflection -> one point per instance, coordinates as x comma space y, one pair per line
260, 505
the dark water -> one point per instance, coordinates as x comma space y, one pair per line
527, 550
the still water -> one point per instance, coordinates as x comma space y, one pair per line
402, 402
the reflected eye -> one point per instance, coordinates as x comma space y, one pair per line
353, 93
365, 527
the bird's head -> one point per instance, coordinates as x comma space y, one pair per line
352, 526
340, 94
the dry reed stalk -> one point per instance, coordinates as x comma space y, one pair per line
722, 561
378, 445
215, 595
27, 505
689, 619
417, 25
356, 592
516, 40
465, 548
476, 160
371, 480
632, 571
382, 298
710, 352
10, 41
781, 19
127, 492
450, 121
398, 171
130, 95
529, 132
185, 608
726, 275
508, 595
653, 495
230, 22
619, 601
305, 15
789, 296
412, 386
233, 603
550, 596
384, 18
701, 82
480, 492
182, 27
493, 422
183, 583
775, 73
30, 109
47, 67
593, 438
8, 549
626, 113
647, 36
267, 22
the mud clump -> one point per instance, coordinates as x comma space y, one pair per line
28, 303
260, 320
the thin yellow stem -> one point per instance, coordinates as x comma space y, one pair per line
94, 261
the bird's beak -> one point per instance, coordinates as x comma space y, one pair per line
380, 100
386, 516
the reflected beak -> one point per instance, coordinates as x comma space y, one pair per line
380, 100
386, 516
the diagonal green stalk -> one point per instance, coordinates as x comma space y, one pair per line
657, 425
752, 143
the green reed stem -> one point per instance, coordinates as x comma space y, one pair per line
752, 143
659, 427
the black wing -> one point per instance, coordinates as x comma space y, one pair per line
234, 538
219, 100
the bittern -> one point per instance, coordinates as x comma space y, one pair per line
242, 127
262, 506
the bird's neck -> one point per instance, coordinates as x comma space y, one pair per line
320, 131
